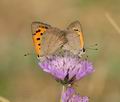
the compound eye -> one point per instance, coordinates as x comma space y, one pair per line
84, 50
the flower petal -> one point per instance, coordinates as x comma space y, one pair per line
70, 96
66, 64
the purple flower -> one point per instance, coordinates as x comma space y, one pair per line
66, 67
71, 96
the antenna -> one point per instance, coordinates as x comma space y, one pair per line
27, 54
91, 47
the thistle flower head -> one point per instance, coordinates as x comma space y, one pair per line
71, 96
66, 67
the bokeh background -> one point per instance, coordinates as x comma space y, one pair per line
21, 80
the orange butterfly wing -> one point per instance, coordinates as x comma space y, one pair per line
76, 27
38, 29
75, 38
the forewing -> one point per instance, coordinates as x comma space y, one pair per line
75, 38
38, 30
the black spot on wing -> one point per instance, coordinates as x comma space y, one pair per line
41, 33
46, 27
38, 38
38, 44
38, 31
42, 26
75, 29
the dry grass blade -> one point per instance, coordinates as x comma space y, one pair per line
112, 22
2, 99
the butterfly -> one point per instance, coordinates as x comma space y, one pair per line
75, 38
48, 40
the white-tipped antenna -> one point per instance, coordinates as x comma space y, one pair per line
27, 54
91, 47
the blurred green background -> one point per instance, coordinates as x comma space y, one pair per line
21, 80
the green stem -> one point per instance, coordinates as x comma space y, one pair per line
63, 90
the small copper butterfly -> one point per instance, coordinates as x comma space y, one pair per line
47, 39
